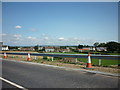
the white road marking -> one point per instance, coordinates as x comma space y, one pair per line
14, 84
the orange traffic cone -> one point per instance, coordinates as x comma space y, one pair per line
5, 56
28, 57
88, 65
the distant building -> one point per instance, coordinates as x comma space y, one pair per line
101, 48
89, 48
73, 48
57, 48
86, 49
5, 47
64, 50
26, 49
83, 50
40, 48
49, 49
93, 49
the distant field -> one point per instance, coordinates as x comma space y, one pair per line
68, 52
85, 53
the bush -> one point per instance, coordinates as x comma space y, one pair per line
57, 58
45, 57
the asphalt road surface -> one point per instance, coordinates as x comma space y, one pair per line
39, 76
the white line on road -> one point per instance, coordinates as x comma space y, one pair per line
14, 84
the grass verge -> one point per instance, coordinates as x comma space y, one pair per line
106, 65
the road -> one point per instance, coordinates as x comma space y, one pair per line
40, 76
107, 57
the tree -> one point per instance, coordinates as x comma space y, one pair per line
36, 47
96, 44
80, 46
113, 46
13, 47
102, 45
63, 47
86, 46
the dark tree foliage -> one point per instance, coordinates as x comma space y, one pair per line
102, 45
96, 44
113, 46
80, 46
36, 48
63, 47
12, 47
86, 46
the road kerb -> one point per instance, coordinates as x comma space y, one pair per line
97, 72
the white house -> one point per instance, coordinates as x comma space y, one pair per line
49, 49
101, 48
40, 48
5, 47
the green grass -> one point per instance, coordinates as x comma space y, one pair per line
1, 56
114, 53
93, 61
37, 60
104, 53
103, 62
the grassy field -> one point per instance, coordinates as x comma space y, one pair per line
102, 53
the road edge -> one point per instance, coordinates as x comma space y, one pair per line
95, 72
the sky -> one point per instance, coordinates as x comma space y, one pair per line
59, 23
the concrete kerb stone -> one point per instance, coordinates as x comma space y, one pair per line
96, 72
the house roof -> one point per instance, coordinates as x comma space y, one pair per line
4, 46
84, 49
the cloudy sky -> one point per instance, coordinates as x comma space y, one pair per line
59, 23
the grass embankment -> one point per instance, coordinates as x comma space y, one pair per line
103, 62
106, 65
110, 67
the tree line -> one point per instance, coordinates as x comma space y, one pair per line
111, 46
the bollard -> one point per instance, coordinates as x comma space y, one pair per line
35, 58
22, 56
76, 60
52, 58
28, 59
5, 56
99, 62
89, 65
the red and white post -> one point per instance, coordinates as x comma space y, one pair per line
89, 65
28, 59
5, 56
